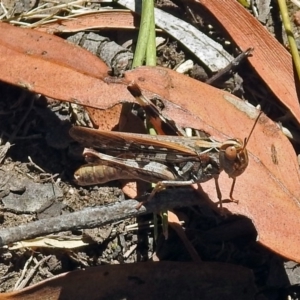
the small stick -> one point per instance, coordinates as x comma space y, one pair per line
26, 266
230, 66
99, 216
35, 165
31, 273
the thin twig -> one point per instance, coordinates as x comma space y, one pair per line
36, 166
18, 283
130, 251
99, 216
32, 272
232, 65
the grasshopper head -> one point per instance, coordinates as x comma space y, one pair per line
233, 157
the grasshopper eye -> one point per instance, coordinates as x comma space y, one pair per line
230, 153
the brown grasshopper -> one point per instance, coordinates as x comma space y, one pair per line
164, 160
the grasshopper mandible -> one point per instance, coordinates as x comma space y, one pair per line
164, 160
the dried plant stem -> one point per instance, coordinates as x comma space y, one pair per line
290, 35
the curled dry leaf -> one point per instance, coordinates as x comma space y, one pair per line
177, 280
271, 60
113, 18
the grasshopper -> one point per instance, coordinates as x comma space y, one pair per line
162, 159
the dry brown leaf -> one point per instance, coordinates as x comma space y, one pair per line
105, 119
270, 59
268, 192
42, 47
148, 281
46, 64
114, 18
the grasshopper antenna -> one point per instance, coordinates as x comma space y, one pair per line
252, 129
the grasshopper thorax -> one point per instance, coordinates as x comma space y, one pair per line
233, 157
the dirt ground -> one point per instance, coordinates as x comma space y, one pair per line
36, 182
